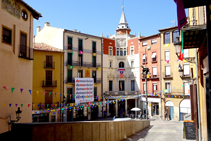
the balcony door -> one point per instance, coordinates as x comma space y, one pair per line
23, 45
49, 61
94, 76
48, 77
48, 98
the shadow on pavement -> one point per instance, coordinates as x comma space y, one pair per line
139, 135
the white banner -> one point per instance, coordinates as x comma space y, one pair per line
84, 90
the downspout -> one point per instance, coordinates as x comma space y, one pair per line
198, 107
63, 80
160, 80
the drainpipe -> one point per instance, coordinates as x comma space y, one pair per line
161, 80
198, 108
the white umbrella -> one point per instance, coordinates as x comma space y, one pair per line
135, 109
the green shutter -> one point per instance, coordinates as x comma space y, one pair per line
69, 58
95, 92
94, 61
69, 40
69, 74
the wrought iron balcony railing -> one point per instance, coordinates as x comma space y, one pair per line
47, 83
50, 65
121, 92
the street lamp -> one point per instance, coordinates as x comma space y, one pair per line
178, 46
18, 116
180, 72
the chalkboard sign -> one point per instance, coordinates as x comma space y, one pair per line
190, 131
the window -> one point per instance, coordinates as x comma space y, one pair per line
185, 53
80, 73
110, 85
93, 47
121, 52
154, 41
154, 57
110, 64
132, 85
69, 59
69, 42
175, 35
121, 85
186, 88
69, 92
80, 44
110, 50
95, 92
154, 72
121, 65
69, 75
49, 61
144, 58
94, 75
186, 69
167, 55
167, 68
117, 52
23, 47
80, 60
94, 61
48, 77
132, 64
154, 87
125, 52
167, 38
24, 15
7, 35
144, 43
131, 51
168, 86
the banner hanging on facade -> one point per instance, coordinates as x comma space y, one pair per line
84, 90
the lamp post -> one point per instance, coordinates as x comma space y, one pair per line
180, 72
18, 116
178, 46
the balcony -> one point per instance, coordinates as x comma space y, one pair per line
150, 76
174, 92
170, 76
150, 92
154, 60
69, 47
98, 80
98, 65
69, 63
186, 76
144, 60
121, 93
25, 52
49, 65
49, 83
85, 64
70, 80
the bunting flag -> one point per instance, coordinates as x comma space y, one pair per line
30, 91
179, 66
16, 105
21, 105
28, 105
12, 89
10, 104
55, 94
60, 94
49, 94
3, 104
37, 92
121, 74
44, 93
5, 87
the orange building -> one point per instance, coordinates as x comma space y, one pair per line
152, 59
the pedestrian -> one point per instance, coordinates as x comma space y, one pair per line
114, 118
104, 114
140, 116
166, 115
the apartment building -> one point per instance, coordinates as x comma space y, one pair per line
16, 55
150, 55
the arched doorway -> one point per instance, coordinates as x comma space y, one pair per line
185, 108
169, 107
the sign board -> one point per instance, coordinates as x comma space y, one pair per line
84, 90
190, 132
148, 47
87, 73
187, 116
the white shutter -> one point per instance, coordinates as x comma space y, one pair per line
186, 69
154, 70
187, 88
153, 54
185, 53
144, 43
144, 56
154, 86
167, 70
154, 41
167, 55
144, 87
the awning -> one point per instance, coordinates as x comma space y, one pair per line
144, 57
194, 36
195, 3
153, 55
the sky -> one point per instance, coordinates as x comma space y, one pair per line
96, 16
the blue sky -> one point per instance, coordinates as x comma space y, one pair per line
96, 16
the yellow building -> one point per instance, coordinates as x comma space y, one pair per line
16, 55
175, 87
47, 81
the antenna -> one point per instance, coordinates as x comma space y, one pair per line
174, 22
122, 5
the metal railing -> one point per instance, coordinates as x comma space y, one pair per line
50, 65
47, 83
70, 80
174, 91
69, 62
167, 76
121, 92
154, 60
25, 52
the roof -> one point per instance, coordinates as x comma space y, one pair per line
82, 34
123, 18
35, 14
168, 28
46, 47
149, 36
123, 22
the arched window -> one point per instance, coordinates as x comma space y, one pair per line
121, 65
175, 35
167, 38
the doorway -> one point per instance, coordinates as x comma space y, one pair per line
169, 107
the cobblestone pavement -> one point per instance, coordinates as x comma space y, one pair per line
160, 130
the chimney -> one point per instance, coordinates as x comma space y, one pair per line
47, 24
75, 30
38, 29
101, 34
